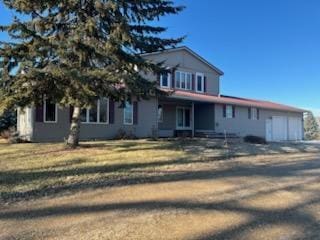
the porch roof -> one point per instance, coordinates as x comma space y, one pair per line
222, 99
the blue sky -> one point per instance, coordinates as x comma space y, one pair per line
268, 49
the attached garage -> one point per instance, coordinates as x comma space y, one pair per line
282, 128
295, 129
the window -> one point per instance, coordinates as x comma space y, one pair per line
160, 113
254, 114
50, 112
128, 114
183, 118
165, 80
183, 80
93, 112
200, 82
83, 115
97, 113
103, 111
229, 111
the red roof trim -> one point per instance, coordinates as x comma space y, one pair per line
178, 94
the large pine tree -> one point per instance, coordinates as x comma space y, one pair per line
75, 51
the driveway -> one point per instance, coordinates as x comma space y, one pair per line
262, 197
315, 142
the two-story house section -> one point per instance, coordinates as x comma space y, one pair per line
194, 107
179, 114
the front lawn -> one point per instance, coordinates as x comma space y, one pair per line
31, 170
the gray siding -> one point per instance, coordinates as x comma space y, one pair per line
147, 122
242, 125
169, 117
189, 63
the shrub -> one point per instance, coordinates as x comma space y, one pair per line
124, 135
255, 140
5, 134
12, 136
7, 120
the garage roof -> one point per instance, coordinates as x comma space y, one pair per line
222, 99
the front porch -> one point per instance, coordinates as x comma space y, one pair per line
184, 118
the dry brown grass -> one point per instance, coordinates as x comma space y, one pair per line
192, 189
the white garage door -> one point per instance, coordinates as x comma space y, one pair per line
295, 129
279, 128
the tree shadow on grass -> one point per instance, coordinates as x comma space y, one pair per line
142, 173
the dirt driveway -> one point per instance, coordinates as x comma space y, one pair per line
256, 197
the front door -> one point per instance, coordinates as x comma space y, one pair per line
269, 130
183, 118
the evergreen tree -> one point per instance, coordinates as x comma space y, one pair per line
75, 51
7, 118
311, 127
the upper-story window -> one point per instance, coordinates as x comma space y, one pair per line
165, 80
97, 113
200, 82
183, 80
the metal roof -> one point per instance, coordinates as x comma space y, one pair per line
178, 94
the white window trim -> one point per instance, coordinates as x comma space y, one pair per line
124, 116
161, 119
229, 106
202, 82
179, 87
254, 117
45, 112
169, 81
98, 115
183, 128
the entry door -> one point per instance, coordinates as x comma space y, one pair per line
269, 130
183, 118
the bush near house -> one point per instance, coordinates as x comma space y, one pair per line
7, 123
254, 139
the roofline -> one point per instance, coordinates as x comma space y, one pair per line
294, 109
221, 99
220, 72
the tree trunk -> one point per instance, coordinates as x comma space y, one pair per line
73, 138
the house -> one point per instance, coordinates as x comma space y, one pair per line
194, 107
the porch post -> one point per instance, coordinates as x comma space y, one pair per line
192, 123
